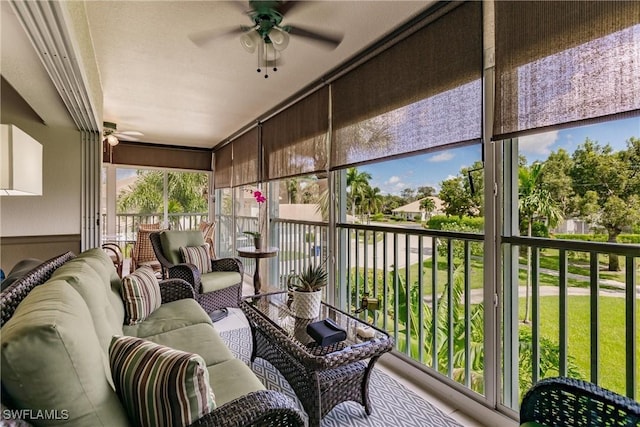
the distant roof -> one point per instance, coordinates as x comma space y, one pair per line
414, 207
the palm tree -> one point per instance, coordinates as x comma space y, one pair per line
372, 201
428, 206
357, 183
534, 202
292, 190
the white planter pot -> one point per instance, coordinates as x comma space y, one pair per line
306, 305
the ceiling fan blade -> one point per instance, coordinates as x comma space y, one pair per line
286, 6
125, 137
202, 38
329, 39
130, 133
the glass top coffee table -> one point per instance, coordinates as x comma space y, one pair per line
321, 377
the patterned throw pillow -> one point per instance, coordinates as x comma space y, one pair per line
159, 386
198, 256
141, 295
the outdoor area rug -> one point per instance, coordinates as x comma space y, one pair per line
393, 405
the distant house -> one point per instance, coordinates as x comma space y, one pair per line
411, 210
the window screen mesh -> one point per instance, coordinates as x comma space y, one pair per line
245, 158
423, 92
559, 63
222, 167
295, 140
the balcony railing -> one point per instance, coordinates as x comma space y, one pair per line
430, 285
126, 225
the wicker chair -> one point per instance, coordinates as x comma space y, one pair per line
215, 290
208, 230
115, 253
142, 253
564, 401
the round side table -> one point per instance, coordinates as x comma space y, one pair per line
257, 254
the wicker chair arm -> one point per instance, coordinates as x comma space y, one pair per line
187, 272
569, 401
175, 289
264, 408
227, 264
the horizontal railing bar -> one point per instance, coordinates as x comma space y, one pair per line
576, 245
415, 231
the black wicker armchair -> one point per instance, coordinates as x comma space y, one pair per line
220, 288
570, 402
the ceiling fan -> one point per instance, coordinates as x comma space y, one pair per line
267, 35
112, 136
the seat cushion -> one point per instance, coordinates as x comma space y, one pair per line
232, 379
198, 256
141, 295
201, 339
52, 359
173, 240
217, 280
168, 317
158, 385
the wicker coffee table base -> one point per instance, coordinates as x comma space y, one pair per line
318, 390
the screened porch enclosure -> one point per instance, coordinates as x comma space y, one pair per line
492, 307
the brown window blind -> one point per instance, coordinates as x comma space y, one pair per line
159, 156
223, 158
295, 140
559, 63
245, 158
424, 91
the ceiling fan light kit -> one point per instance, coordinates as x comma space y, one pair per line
267, 36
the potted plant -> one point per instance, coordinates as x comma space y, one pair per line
307, 291
257, 238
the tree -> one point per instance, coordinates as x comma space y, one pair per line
372, 201
534, 202
408, 194
428, 206
456, 198
425, 191
555, 178
357, 183
185, 193
606, 185
292, 190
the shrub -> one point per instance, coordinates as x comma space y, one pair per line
437, 222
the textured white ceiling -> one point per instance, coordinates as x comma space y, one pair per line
156, 80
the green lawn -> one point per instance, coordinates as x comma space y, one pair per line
612, 336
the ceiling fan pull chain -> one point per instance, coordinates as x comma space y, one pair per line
259, 58
266, 61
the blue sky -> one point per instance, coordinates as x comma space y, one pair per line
431, 169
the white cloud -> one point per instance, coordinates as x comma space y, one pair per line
392, 180
538, 144
442, 157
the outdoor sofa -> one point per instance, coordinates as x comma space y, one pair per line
59, 325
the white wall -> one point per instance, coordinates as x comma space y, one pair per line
58, 210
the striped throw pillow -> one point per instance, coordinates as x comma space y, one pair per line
158, 385
198, 256
141, 295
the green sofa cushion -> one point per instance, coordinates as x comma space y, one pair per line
53, 360
88, 283
217, 280
201, 339
102, 263
232, 379
172, 240
168, 317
